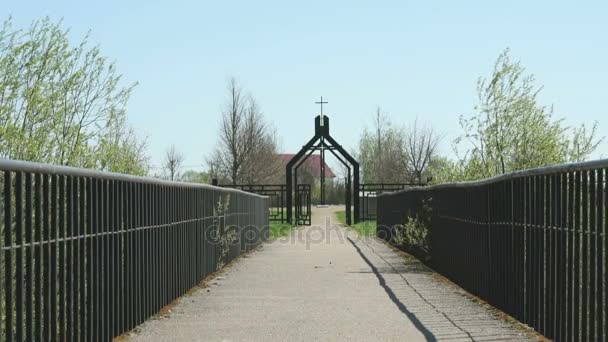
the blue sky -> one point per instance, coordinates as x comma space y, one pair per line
418, 58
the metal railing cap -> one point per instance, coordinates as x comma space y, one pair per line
26, 166
545, 170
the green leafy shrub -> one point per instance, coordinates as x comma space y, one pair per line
412, 234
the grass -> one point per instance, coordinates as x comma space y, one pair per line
365, 228
278, 229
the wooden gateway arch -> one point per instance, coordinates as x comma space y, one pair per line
322, 142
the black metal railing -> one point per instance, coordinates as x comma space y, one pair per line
369, 193
532, 243
303, 205
88, 255
276, 196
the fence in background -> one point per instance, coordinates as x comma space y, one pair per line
303, 205
88, 255
276, 194
531, 243
369, 193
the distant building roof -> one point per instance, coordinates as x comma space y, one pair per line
311, 165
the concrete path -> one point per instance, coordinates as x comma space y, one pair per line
326, 283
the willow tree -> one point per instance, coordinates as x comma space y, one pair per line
511, 130
63, 104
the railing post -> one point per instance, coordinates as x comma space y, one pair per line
489, 220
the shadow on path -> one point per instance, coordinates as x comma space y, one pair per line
440, 311
411, 316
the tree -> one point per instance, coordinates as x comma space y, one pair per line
63, 104
510, 130
173, 162
418, 148
247, 148
261, 162
396, 154
379, 152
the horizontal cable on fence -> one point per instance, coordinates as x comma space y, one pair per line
453, 218
529, 225
114, 232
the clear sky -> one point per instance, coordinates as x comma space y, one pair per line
412, 58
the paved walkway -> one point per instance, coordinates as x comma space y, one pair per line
325, 283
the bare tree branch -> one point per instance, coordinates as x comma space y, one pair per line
247, 146
173, 162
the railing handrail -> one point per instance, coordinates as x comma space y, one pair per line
544, 170
27, 166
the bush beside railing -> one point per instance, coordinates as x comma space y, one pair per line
89, 255
532, 243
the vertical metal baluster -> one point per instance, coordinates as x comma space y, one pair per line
601, 258
29, 267
542, 229
8, 261
61, 248
91, 259
19, 256
47, 257
604, 229
178, 246
99, 260
115, 285
99, 257
77, 238
577, 254
132, 250
552, 201
140, 261
121, 257
109, 256
145, 218
198, 244
83, 230
140, 256
175, 242
69, 260
584, 254
164, 244
192, 236
126, 251
538, 252
154, 250
38, 294
53, 248
562, 266
569, 257
130, 255
528, 247
2, 252
521, 209
592, 247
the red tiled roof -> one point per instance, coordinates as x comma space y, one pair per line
312, 165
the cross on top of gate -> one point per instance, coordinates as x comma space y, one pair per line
322, 116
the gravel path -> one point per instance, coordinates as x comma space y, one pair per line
325, 283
